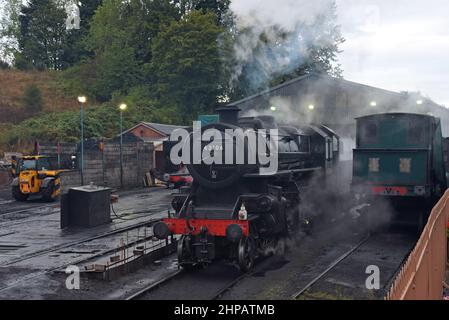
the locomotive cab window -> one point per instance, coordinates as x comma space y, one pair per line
369, 132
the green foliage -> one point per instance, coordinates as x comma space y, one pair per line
9, 28
32, 99
169, 60
76, 49
99, 121
120, 37
186, 64
218, 7
42, 35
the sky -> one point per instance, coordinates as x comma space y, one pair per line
400, 45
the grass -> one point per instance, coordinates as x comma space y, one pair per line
13, 85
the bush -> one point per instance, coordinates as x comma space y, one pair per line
32, 99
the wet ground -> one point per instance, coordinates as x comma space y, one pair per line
34, 251
33, 247
284, 274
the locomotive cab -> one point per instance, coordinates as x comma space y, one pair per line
399, 156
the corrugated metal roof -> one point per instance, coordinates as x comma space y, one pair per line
284, 85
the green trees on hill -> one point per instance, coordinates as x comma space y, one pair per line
186, 64
169, 60
42, 36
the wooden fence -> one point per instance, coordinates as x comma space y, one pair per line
422, 276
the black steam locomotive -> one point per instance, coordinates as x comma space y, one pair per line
238, 211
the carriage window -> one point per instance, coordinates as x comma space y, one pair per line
369, 133
304, 144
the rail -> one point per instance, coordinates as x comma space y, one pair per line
422, 276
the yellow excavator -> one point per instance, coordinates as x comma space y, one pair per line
33, 175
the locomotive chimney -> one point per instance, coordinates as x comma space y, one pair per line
229, 114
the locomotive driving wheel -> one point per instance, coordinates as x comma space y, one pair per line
246, 253
184, 253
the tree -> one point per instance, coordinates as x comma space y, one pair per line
275, 56
9, 28
32, 99
218, 7
119, 40
186, 64
42, 35
75, 48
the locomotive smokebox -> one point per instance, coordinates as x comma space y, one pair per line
229, 114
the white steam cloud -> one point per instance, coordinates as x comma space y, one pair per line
274, 37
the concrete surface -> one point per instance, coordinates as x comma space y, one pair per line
33, 245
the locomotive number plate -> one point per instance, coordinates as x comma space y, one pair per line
390, 191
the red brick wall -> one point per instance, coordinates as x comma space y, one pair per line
145, 132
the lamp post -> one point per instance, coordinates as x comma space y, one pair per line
82, 100
122, 108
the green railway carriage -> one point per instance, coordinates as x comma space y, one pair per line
399, 155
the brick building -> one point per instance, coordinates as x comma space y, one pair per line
155, 133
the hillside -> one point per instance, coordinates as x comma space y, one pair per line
13, 84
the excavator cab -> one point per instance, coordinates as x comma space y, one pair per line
36, 175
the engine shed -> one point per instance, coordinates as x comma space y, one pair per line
336, 102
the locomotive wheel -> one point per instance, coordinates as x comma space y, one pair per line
184, 253
246, 253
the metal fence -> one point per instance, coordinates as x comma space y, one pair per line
423, 275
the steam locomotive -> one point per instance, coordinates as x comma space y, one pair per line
238, 211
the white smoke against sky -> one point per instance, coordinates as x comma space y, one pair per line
272, 36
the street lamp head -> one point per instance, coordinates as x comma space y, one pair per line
273, 108
123, 107
419, 102
311, 107
82, 99
373, 104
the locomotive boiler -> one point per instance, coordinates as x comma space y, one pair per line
240, 205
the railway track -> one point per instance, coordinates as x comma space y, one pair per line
78, 242
227, 285
13, 211
344, 277
215, 294
51, 250
332, 266
140, 295
344, 271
